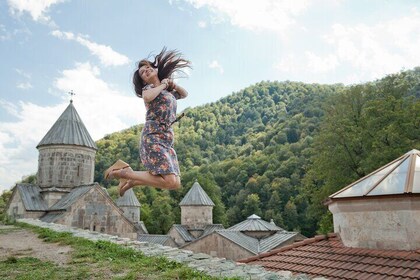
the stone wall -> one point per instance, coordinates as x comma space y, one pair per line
202, 262
65, 166
196, 216
378, 223
96, 212
131, 213
176, 236
218, 246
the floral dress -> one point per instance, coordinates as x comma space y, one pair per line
157, 140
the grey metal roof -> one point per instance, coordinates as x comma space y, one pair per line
128, 199
155, 238
68, 130
141, 226
253, 244
51, 217
32, 197
255, 223
397, 177
183, 231
70, 198
196, 196
210, 228
275, 240
243, 240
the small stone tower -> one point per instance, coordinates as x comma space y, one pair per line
66, 156
130, 205
196, 208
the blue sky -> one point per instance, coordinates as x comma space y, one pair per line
48, 48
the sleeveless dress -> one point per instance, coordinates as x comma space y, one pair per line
157, 140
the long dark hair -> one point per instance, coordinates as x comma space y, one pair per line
166, 62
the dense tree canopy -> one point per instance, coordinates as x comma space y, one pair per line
279, 149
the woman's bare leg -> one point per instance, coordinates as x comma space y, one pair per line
141, 178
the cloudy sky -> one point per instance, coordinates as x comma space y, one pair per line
50, 47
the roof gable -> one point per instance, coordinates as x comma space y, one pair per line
196, 196
70, 198
68, 130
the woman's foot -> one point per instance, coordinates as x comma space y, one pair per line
118, 165
124, 186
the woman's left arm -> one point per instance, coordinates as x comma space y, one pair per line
183, 93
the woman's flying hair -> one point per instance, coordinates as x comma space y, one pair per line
166, 62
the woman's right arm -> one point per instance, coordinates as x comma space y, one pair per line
150, 94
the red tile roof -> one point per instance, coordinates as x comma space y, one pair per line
327, 256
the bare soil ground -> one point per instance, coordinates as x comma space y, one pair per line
18, 242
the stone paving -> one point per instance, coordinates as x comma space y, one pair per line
218, 267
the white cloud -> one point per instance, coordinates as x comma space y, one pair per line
103, 109
216, 65
202, 24
38, 9
106, 54
24, 85
262, 15
368, 52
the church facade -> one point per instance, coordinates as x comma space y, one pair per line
65, 192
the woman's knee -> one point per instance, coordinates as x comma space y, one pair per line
172, 182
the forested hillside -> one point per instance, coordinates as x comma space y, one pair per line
279, 149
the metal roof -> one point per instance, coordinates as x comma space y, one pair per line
141, 226
253, 244
210, 228
51, 217
70, 198
155, 238
68, 130
255, 223
128, 199
196, 196
397, 177
183, 232
243, 240
32, 197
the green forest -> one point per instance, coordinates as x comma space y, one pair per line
278, 149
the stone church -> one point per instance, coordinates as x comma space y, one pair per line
65, 192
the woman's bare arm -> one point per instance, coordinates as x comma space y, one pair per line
150, 94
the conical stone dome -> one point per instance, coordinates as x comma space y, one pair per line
66, 153
68, 130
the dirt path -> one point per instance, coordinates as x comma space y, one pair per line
18, 242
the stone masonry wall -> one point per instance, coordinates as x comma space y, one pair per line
65, 166
380, 223
95, 212
202, 262
216, 245
196, 216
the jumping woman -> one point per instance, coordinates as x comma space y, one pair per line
153, 82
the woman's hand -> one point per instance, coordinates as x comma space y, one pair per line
165, 82
171, 85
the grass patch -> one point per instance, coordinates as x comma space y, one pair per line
95, 260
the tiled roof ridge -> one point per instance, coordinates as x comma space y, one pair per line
291, 246
378, 269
